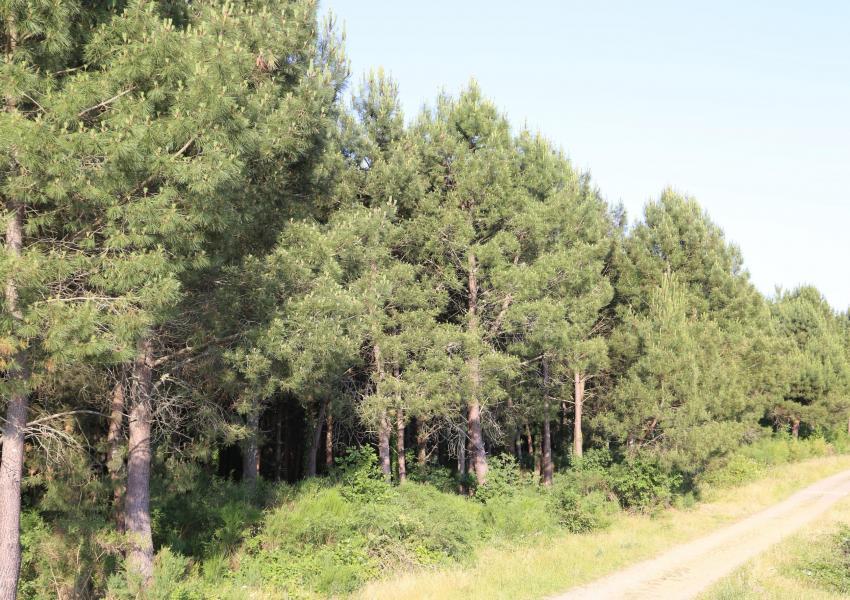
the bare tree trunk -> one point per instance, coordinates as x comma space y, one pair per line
461, 462
251, 449
578, 441
383, 423
329, 440
548, 464
532, 449
278, 446
384, 446
399, 445
313, 459
518, 447
476, 437
421, 443
14, 428
137, 505
538, 457
114, 460
795, 428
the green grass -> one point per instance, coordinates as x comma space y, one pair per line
812, 564
559, 562
352, 535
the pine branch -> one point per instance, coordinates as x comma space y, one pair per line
105, 102
64, 414
192, 349
177, 154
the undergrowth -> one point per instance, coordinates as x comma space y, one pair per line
329, 536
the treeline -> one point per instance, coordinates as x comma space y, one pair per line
213, 258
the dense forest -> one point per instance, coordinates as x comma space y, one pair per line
227, 266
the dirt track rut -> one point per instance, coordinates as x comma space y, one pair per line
689, 569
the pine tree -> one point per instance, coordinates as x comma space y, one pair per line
463, 230
154, 142
560, 283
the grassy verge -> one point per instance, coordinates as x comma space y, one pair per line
556, 563
814, 564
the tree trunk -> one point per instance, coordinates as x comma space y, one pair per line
578, 441
251, 449
461, 462
538, 458
114, 460
14, 429
278, 446
548, 464
384, 446
421, 443
532, 450
137, 505
795, 428
329, 440
476, 437
313, 459
399, 445
518, 448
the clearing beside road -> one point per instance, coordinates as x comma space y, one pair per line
687, 570
551, 565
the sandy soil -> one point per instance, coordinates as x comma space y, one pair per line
687, 570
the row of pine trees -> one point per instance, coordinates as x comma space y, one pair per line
209, 250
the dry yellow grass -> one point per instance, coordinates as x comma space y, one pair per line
775, 575
555, 564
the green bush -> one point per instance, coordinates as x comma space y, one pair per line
360, 474
520, 515
504, 479
734, 470
642, 483
582, 513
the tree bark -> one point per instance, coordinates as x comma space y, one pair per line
384, 446
313, 459
478, 455
137, 505
548, 465
461, 462
538, 457
114, 460
383, 421
278, 445
251, 449
329, 440
421, 443
18, 375
578, 440
399, 445
518, 447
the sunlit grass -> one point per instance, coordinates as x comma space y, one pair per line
783, 572
554, 564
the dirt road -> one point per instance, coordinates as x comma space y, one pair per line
687, 570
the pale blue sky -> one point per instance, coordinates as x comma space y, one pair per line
744, 105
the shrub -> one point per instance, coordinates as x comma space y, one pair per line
503, 479
642, 483
360, 474
581, 513
521, 515
734, 470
